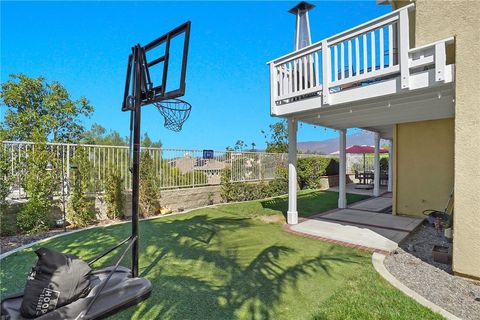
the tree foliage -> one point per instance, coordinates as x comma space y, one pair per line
99, 135
277, 137
149, 143
47, 106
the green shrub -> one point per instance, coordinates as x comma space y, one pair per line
279, 186
5, 178
245, 191
36, 215
149, 202
7, 222
114, 195
311, 169
80, 211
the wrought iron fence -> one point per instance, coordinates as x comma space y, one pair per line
174, 168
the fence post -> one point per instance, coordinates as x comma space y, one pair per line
260, 176
193, 173
68, 162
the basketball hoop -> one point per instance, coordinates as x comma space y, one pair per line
175, 112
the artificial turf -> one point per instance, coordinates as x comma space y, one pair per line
226, 262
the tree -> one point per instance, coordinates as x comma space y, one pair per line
114, 195
98, 135
36, 215
277, 138
147, 142
149, 192
240, 145
47, 106
80, 212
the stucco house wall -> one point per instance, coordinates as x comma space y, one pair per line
424, 168
435, 20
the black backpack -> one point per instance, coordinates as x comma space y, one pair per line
56, 280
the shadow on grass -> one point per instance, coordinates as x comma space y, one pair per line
239, 290
199, 269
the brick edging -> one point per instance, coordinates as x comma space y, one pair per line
287, 228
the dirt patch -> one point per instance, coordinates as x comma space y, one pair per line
272, 219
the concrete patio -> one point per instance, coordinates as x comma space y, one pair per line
351, 188
363, 224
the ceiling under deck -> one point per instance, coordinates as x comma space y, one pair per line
381, 113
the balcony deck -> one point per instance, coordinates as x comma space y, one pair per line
367, 77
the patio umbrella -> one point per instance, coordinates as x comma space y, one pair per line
361, 149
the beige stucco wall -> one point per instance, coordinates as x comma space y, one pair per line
435, 20
424, 165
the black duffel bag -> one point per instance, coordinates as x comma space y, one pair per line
56, 280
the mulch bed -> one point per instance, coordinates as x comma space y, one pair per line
12, 242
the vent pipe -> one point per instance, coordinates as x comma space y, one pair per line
302, 32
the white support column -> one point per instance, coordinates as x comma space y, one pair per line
376, 165
390, 167
342, 170
292, 214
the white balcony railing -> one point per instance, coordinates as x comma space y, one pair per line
373, 51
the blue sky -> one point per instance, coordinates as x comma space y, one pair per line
84, 45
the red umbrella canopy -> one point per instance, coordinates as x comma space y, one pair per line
362, 149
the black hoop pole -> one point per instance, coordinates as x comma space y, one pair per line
136, 154
143, 92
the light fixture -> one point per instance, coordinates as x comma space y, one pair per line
439, 95
49, 166
389, 104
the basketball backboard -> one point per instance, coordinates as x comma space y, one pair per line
164, 69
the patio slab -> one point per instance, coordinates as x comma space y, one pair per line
374, 219
370, 229
346, 233
376, 204
351, 188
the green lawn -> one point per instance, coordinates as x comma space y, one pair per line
226, 263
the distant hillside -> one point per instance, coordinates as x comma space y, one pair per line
331, 145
